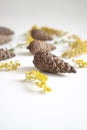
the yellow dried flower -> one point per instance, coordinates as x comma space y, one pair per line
9, 66
81, 63
53, 31
29, 38
74, 37
39, 79
1, 66
77, 48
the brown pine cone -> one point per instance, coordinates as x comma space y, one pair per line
38, 45
41, 35
6, 31
4, 39
6, 54
48, 62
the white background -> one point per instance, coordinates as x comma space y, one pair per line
22, 106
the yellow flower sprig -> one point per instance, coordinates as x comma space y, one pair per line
74, 37
76, 48
39, 79
53, 31
9, 66
81, 63
29, 38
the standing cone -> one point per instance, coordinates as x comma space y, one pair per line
48, 62
41, 35
38, 45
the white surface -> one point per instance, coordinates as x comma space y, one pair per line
22, 106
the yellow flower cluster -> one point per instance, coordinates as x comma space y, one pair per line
77, 48
74, 37
29, 38
53, 31
39, 79
81, 63
9, 66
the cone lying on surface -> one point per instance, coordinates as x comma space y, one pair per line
41, 35
6, 54
4, 39
47, 62
38, 45
6, 31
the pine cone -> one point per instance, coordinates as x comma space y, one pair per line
6, 31
4, 39
41, 35
6, 54
38, 45
48, 62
